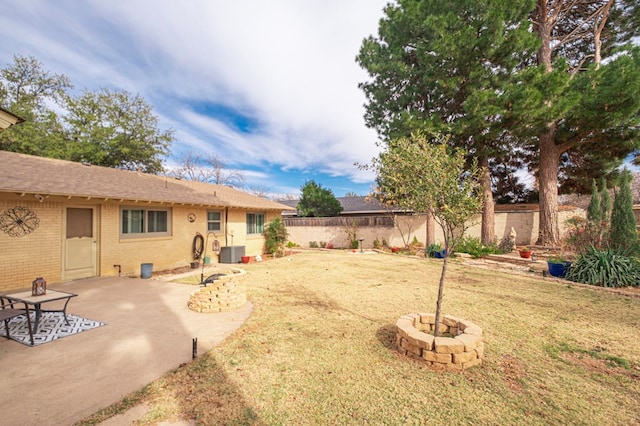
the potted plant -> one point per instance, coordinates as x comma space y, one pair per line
558, 266
435, 250
525, 252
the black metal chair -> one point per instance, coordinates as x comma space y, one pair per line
8, 311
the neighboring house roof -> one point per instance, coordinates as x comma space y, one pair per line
22, 173
350, 205
8, 119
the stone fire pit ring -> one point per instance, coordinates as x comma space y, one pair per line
465, 349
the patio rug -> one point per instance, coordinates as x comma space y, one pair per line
52, 326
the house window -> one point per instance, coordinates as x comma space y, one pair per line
255, 223
214, 221
145, 221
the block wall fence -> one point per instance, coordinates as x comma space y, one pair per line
525, 222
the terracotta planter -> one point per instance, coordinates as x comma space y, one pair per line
525, 254
245, 259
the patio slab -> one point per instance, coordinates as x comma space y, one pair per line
148, 332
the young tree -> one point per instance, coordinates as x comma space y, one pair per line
623, 222
317, 201
418, 174
442, 66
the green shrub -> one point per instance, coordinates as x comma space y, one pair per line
475, 248
313, 244
605, 268
623, 222
275, 235
432, 249
377, 244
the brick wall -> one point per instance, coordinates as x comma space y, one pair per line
40, 253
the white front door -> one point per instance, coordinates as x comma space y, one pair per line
80, 243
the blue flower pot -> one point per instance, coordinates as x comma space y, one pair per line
440, 254
558, 269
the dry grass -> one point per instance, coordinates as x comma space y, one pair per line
318, 349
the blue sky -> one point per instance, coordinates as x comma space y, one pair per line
270, 86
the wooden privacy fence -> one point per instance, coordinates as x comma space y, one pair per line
342, 222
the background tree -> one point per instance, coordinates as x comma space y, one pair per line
442, 67
210, 168
317, 201
418, 174
106, 128
31, 92
570, 98
116, 129
623, 222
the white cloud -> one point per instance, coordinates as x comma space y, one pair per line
289, 65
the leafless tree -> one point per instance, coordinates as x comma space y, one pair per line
210, 168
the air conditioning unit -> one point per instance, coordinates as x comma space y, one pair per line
231, 254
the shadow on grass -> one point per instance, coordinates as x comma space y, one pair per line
387, 336
199, 392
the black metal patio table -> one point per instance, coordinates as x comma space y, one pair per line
38, 301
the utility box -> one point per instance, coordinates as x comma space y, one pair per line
231, 254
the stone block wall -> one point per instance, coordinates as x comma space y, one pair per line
226, 293
462, 348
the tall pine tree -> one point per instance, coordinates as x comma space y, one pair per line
441, 67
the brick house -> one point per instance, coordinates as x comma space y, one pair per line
63, 220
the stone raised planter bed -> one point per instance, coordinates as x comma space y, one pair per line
226, 293
460, 352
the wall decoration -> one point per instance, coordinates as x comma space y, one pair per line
191, 217
19, 221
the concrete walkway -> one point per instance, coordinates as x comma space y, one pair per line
149, 332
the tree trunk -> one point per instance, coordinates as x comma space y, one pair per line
430, 229
436, 330
488, 229
548, 231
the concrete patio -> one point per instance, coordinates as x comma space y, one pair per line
148, 332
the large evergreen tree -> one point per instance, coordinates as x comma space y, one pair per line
317, 201
440, 66
571, 99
